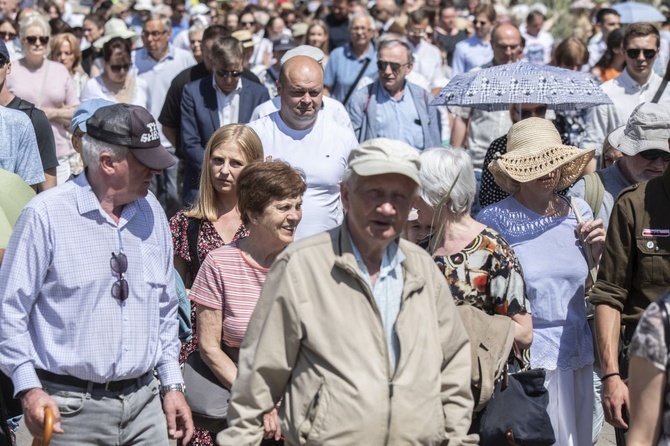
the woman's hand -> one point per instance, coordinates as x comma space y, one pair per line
271, 429
593, 233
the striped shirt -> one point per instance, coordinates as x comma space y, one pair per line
228, 282
58, 313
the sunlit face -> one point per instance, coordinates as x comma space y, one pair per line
92, 32
506, 45
482, 26
132, 178
35, 42
65, 55
155, 37
316, 36
416, 232
227, 76
417, 31
225, 164
279, 220
118, 66
377, 207
392, 80
360, 32
7, 32
640, 169
425, 213
340, 9
640, 66
611, 155
232, 21
610, 23
248, 22
277, 27
302, 95
535, 26
195, 42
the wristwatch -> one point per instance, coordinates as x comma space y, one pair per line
172, 388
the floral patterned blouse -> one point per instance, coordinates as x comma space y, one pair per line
486, 274
649, 343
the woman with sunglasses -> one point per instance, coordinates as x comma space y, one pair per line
65, 49
49, 86
8, 32
117, 83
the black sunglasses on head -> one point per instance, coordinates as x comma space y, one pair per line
634, 53
654, 154
33, 39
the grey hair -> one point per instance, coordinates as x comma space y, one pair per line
167, 26
92, 149
196, 27
34, 19
440, 169
392, 43
364, 15
227, 50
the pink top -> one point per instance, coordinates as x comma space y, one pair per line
56, 91
226, 281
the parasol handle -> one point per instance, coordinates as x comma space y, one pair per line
48, 429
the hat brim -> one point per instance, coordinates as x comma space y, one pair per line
155, 158
124, 35
382, 167
509, 171
631, 147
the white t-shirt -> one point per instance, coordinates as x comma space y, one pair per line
332, 108
322, 153
538, 48
96, 89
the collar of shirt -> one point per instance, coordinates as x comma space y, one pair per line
142, 55
391, 260
385, 96
349, 53
87, 202
629, 83
237, 89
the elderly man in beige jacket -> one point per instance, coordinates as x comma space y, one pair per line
356, 329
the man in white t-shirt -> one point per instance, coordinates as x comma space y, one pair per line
298, 134
539, 43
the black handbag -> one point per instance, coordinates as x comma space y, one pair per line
517, 412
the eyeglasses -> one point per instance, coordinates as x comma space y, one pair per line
6, 35
395, 66
538, 112
119, 264
154, 34
119, 68
654, 154
33, 39
226, 73
247, 23
634, 53
360, 29
416, 32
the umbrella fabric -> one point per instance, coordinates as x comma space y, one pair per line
497, 87
633, 12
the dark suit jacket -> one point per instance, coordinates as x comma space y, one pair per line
200, 119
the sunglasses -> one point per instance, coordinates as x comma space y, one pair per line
654, 154
119, 264
247, 23
539, 112
154, 34
634, 53
119, 68
33, 39
225, 73
6, 35
395, 66
480, 22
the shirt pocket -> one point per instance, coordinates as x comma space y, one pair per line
654, 259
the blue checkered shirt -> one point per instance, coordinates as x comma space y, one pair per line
58, 313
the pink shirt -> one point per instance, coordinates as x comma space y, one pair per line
226, 281
56, 91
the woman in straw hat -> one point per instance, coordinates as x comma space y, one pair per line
544, 230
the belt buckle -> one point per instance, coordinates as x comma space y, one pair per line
107, 385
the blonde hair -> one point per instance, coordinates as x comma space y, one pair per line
56, 43
250, 145
325, 47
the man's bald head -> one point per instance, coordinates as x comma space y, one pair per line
300, 88
507, 44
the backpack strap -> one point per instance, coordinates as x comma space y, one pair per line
594, 191
660, 91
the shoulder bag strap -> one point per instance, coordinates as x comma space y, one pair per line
192, 231
593, 268
352, 87
660, 91
594, 191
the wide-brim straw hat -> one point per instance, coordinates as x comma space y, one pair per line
115, 28
535, 149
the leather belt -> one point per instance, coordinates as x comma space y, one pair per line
111, 386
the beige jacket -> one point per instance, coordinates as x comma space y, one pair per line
316, 339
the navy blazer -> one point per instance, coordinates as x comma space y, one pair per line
200, 119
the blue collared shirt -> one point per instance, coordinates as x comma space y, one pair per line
398, 119
470, 53
387, 293
343, 68
58, 313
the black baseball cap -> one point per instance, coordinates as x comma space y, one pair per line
131, 126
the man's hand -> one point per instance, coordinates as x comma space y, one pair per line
34, 402
271, 429
178, 415
615, 401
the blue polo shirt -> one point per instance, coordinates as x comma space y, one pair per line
343, 68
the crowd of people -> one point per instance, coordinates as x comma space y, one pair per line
288, 208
